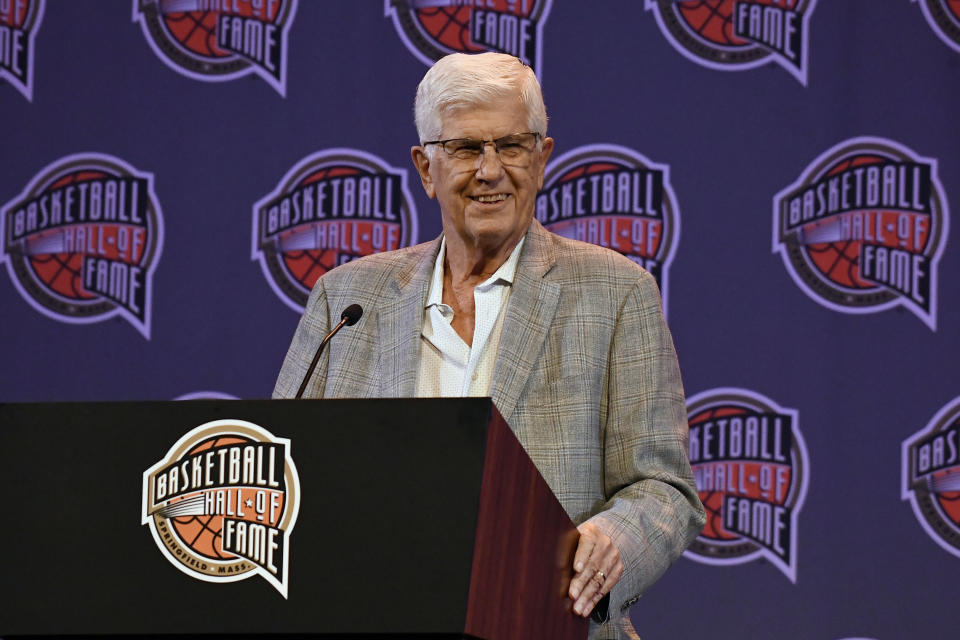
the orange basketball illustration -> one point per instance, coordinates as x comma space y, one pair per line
433, 29
334, 206
450, 25
223, 501
219, 41
863, 228
307, 265
197, 31
732, 35
202, 533
83, 239
711, 19
62, 271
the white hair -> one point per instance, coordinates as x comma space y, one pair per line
462, 80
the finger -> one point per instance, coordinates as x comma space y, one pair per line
592, 593
604, 583
584, 604
581, 582
584, 550
611, 579
607, 559
581, 560
597, 597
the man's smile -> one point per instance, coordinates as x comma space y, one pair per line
490, 197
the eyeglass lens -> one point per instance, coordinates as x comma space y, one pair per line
512, 149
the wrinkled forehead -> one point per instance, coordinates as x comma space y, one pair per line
499, 116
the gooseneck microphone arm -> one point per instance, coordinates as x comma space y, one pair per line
348, 318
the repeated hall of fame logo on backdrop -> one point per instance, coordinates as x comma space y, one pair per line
81, 242
735, 35
19, 22
223, 502
332, 207
617, 198
863, 228
219, 40
751, 468
943, 16
931, 476
431, 29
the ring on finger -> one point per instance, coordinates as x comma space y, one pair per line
602, 577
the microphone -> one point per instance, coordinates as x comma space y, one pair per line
348, 318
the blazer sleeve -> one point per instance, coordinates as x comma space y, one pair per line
313, 326
652, 512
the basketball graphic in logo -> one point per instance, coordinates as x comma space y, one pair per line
333, 206
735, 35
863, 228
215, 41
431, 29
19, 22
81, 242
617, 198
750, 464
931, 476
223, 502
943, 16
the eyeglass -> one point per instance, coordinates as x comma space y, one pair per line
513, 149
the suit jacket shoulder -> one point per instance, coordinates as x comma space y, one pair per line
370, 277
591, 266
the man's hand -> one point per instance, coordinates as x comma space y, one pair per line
596, 566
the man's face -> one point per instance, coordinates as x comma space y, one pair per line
485, 204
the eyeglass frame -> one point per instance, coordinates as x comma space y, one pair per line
537, 137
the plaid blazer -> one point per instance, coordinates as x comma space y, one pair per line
586, 376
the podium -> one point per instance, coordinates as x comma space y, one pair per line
416, 517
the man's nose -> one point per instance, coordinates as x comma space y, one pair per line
489, 166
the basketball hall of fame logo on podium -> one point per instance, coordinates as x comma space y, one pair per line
19, 22
222, 503
751, 467
863, 228
617, 198
943, 16
82, 240
216, 40
736, 35
431, 29
931, 476
332, 207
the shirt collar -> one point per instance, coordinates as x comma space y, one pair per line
505, 274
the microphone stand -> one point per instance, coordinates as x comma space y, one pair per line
348, 318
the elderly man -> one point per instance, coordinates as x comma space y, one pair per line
568, 338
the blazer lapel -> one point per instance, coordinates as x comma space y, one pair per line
400, 322
533, 303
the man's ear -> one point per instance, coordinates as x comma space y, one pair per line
546, 148
422, 163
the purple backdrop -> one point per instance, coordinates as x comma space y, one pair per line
176, 174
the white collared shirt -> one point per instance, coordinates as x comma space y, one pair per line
448, 367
